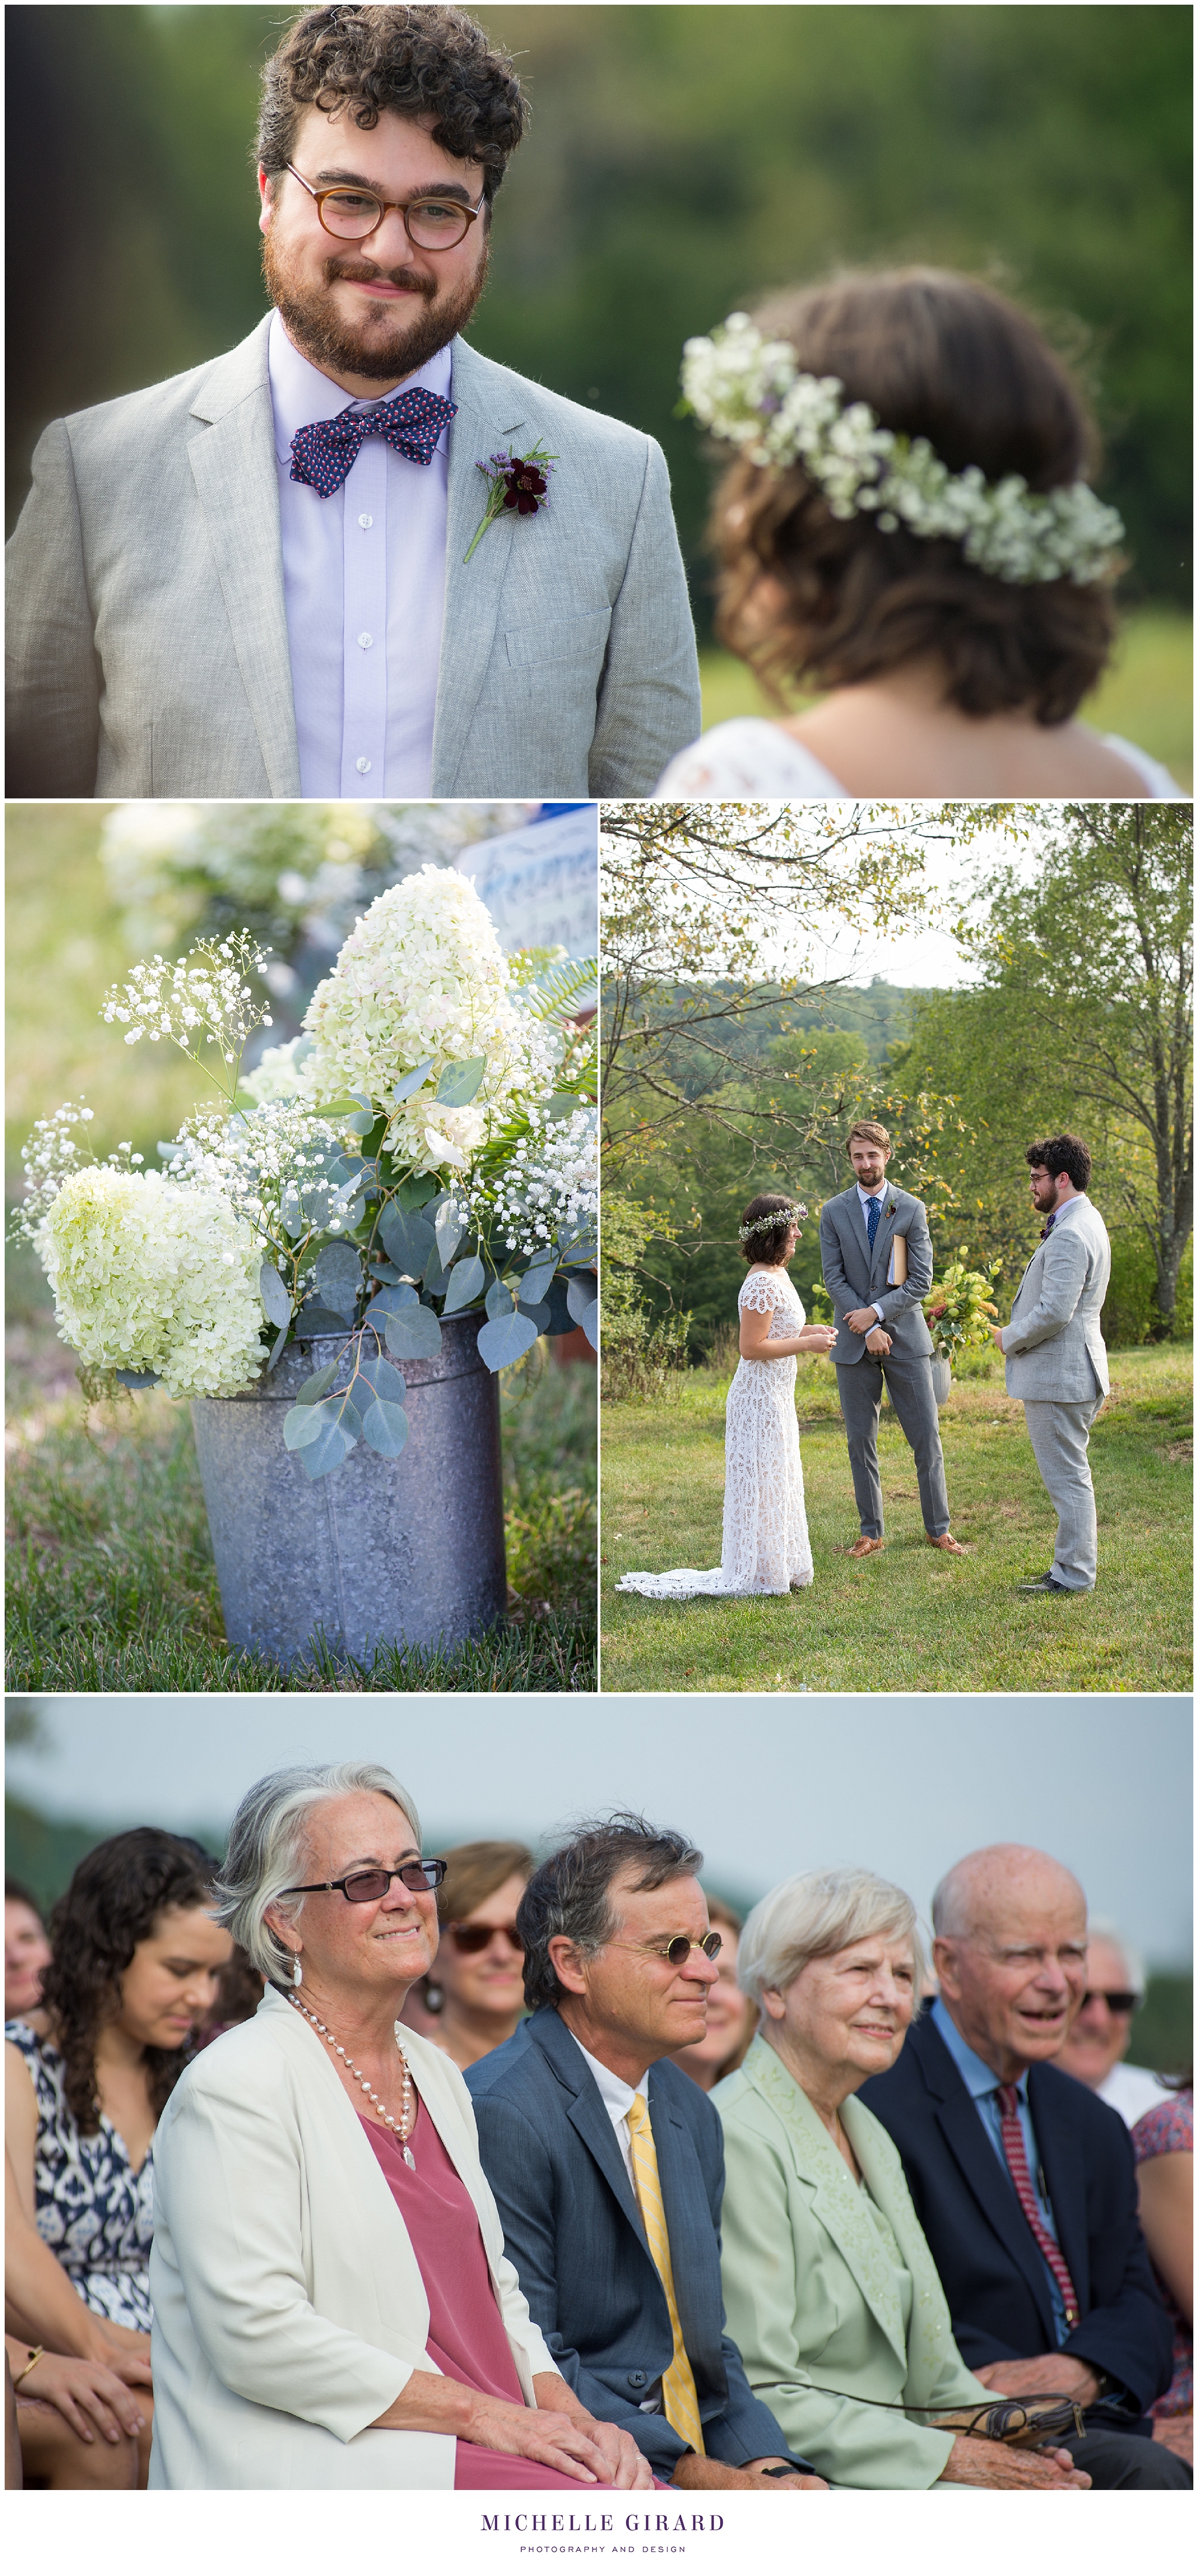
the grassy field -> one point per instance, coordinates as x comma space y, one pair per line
111, 1584
1147, 696
909, 1619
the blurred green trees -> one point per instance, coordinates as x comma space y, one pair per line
681, 161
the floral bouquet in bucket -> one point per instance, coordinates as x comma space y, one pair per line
424, 1150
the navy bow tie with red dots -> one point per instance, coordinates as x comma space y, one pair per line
323, 453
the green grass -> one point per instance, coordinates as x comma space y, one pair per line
1147, 695
909, 1619
111, 1585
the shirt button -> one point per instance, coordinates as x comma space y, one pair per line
365, 641
365, 520
363, 765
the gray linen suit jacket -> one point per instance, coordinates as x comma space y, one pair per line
855, 1277
1053, 1347
147, 629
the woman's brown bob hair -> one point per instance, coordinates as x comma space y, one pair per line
939, 357
768, 1244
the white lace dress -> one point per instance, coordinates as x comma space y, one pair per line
766, 1547
750, 756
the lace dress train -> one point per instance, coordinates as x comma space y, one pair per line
766, 1547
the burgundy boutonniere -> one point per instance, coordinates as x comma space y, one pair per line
519, 483
892, 1210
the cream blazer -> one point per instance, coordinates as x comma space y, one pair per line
289, 2310
811, 2292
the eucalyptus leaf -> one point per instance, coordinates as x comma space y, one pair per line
276, 1348
536, 1280
505, 1340
339, 1277
499, 1300
391, 1300
408, 1238
138, 1378
326, 1453
460, 1081
414, 1335
315, 1321
449, 1228
385, 1382
360, 1123
590, 1323
560, 1318
538, 1314
580, 1294
387, 1272
314, 1387
303, 1424
416, 1191
436, 1275
385, 1429
465, 1284
412, 1082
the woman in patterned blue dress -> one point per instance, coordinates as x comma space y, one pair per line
136, 1958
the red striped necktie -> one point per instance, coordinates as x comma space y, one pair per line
1013, 2150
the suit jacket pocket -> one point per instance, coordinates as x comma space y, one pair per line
553, 641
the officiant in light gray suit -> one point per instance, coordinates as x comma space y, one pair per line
1055, 1353
252, 580
877, 1263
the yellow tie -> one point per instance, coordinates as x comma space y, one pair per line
678, 2382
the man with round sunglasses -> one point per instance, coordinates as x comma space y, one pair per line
283, 573
607, 2162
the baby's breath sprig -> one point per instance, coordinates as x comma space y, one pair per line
202, 998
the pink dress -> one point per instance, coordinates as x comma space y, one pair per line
467, 2337
1168, 2130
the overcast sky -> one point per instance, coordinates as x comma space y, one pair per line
766, 1786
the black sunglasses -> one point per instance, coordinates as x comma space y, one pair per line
365, 1886
1116, 2003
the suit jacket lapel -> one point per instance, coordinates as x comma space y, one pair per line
883, 1238
587, 2113
232, 459
961, 2125
472, 590
838, 2204
857, 1219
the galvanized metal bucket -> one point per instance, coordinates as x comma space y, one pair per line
405, 1551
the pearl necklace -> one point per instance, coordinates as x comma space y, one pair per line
403, 2125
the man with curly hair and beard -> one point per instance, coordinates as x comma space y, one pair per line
262, 577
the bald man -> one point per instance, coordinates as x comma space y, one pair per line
1023, 2181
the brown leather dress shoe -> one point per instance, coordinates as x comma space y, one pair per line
951, 1546
866, 1547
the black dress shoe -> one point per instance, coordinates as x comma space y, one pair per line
1043, 1583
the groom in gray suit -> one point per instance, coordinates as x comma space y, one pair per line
881, 1333
1055, 1353
252, 580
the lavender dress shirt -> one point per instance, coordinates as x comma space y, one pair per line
364, 584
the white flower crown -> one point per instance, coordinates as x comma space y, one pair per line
752, 391
766, 1224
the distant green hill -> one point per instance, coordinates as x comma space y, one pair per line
43, 1852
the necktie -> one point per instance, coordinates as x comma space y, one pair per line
872, 1214
323, 453
678, 2383
1046, 1229
1013, 2150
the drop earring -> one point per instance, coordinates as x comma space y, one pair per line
434, 1997
297, 1974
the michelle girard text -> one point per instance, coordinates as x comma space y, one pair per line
649, 2523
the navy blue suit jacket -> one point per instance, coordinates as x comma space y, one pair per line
572, 2227
982, 2247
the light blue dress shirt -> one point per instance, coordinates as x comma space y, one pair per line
982, 2084
364, 585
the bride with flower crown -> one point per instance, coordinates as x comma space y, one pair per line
766, 1547
908, 529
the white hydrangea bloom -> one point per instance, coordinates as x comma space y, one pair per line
549, 1191
752, 392
148, 1276
278, 1076
423, 979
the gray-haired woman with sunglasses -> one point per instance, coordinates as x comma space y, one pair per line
333, 2306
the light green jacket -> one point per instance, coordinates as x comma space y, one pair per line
811, 2291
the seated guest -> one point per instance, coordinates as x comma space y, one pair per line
731, 2020
76, 2424
1163, 2146
830, 2289
1100, 2031
136, 1954
475, 1996
606, 2163
239, 1990
332, 2302
26, 1954
1023, 2183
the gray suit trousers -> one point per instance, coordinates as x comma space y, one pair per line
1060, 1437
909, 1385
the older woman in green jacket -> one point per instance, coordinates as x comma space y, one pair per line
831, 2293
